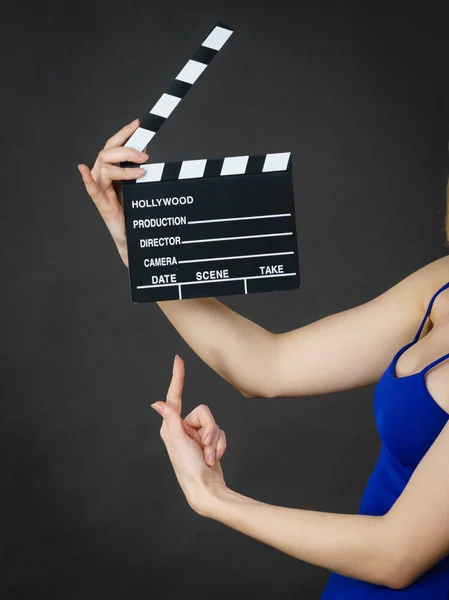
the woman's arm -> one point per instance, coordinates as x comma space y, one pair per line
235, 347
391, 550
353, 545
342, 351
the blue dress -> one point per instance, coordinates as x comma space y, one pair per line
408, 421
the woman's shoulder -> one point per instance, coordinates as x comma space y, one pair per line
434, 276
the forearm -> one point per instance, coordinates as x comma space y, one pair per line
239, 350
352, 545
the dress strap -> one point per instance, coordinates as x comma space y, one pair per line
429, 308
435, 362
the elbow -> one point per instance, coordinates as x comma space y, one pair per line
399, 581
254, 394
262, 391
248, 394
399, 564
398, 574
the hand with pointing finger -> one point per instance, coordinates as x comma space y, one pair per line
187, 442
103, 182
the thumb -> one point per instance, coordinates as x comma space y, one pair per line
172, 418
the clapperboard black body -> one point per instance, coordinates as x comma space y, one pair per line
208, 227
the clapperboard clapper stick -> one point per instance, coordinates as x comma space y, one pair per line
208, 227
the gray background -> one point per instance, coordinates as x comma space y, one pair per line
90, 507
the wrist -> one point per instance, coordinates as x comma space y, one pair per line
123, 252
208, 497
211, 502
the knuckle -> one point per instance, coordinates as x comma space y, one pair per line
103, 173
135, 154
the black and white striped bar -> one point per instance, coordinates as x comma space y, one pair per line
211, 227
189, 74
215, 167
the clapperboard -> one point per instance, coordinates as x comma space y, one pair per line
208, 227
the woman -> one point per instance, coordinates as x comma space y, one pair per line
398, 543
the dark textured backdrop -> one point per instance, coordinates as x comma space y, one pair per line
90, 507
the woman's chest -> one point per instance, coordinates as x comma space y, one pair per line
433, 345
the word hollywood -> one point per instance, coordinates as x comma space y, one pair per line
155, 202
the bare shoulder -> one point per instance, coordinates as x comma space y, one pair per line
437, 269
424, 282
434, 276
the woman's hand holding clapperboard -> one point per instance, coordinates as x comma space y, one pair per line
103, 182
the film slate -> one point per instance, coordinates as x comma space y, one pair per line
208, 227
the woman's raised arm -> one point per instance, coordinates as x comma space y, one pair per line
341, 351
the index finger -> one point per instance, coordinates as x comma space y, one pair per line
119, 138
174, 394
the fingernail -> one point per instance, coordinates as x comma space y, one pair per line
143, 154
135, 121
208, 439
211, 459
